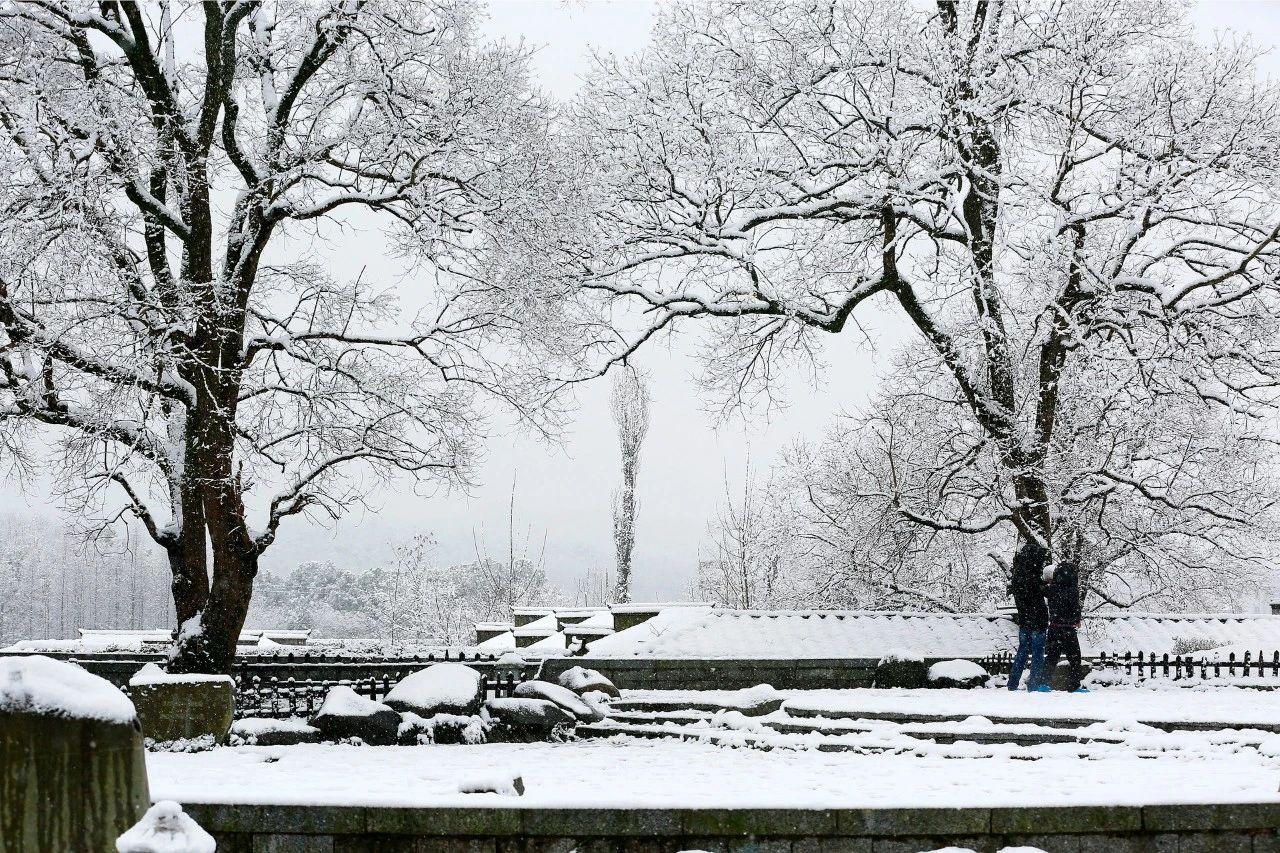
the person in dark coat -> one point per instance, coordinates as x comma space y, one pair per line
1027, 587
1063, 595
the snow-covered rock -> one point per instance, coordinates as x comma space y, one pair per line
527, 719
561, 696
527, 711
165, 828
507, 786
261, 731
450, 688
957, 673
580, 680
452, 728
346, 714
901, 668
511, 661
41, 685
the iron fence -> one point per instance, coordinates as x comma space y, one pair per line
1147, 665
276, 697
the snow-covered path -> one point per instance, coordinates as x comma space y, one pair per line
674, 774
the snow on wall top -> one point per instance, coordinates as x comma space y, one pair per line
47, 686
717, 633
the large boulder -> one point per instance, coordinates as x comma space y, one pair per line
561, 696
443, 688
581, 680
900, 669
345, 714
73, 773
963, 674
523, 719
182, 707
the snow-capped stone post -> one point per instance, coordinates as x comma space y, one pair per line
174, 707
73, 773
166, 828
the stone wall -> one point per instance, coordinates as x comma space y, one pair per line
722, 674
1234, 828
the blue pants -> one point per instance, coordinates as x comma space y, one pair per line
1030, 644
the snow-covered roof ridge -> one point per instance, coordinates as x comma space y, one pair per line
870, 634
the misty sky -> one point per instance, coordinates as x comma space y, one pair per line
563, 492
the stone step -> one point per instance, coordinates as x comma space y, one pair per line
983, 736
690, 716
1055, 722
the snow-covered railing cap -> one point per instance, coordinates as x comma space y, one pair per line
492, 626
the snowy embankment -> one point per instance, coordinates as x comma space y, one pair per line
678, 774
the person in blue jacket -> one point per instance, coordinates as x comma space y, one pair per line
1063, 596
1027, 586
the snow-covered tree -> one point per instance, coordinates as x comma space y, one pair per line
629, 404
166, 166
1074, 205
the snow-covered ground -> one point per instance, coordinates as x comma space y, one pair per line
886, 764
636, 773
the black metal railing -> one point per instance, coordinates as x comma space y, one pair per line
1147, 665
277, 697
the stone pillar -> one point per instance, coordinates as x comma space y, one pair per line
66, 783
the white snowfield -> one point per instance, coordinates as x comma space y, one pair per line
729, 759
667, 773
44, 685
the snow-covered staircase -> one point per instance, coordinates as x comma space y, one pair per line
870, 730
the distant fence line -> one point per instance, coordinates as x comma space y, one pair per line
1173, 667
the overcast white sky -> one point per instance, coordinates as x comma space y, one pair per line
564, 492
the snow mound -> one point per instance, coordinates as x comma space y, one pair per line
448, 687
550, 644
901, 655
42, 685
166, 828
260, 725
504, 785
505, 641
342, 701
582, 680
957, 670
152, 674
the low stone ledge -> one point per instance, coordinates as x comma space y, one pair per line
794, 823
850, 827
1198, 817
300, 820
442, 822
600, 822
1041, 820
913, 821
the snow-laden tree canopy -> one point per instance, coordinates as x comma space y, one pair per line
166, 167
1074, 205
